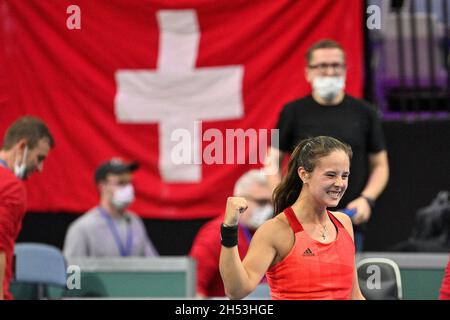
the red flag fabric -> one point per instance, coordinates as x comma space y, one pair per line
160, 82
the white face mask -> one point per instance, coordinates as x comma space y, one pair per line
259, 215
20, 169
328, 87
123, 197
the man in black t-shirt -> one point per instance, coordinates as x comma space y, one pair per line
329, 111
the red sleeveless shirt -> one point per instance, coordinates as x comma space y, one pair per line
314, 270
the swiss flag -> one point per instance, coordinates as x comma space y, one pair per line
137, 78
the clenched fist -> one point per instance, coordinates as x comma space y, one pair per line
235, 206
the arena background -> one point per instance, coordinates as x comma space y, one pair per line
75, 79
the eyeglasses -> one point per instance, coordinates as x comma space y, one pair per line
323, 67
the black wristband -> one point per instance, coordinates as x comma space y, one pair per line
370, 201
229, 235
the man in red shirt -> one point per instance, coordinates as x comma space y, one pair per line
25, 146
254, 186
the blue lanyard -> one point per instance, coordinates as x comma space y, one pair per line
247, 234
124, 252
3, 163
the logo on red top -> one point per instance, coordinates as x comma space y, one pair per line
308, 253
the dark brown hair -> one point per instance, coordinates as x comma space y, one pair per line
31, 128
304, 155
323, 44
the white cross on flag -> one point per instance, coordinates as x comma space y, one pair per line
176, 87
161, 82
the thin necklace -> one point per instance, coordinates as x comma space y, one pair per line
324, 232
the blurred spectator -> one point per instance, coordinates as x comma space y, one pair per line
253, 186
109, 230
25, 147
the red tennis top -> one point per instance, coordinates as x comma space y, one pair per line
314, 270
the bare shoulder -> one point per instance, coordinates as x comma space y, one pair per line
277, 233
345, 220
274, 229
277, 223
